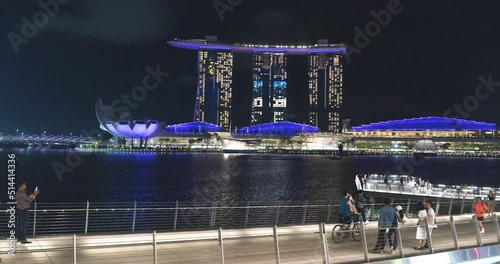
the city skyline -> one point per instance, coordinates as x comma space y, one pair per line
269, 81
418, 62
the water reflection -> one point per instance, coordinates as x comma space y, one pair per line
205, 178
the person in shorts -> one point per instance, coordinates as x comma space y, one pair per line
479, 208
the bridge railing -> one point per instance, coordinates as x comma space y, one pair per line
316, 243
129, 217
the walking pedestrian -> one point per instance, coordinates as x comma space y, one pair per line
431, 220
421, 235
387, 215
393, 232
479, 208
23, 204
491, 203
360, 205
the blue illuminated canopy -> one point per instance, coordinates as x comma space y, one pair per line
196, 127
427, 123
284, 128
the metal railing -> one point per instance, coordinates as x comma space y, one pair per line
356, 252
375, 183
99, 217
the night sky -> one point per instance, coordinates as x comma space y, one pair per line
426, 59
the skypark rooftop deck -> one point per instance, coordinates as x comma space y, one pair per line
201, 44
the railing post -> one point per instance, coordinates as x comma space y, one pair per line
221, 245
329, 212
454, 233
437, 206
372, 208
246, 214
451, 206
212, 220
276, 245
87, 218
408, 207
133, 219
324, 243
74, 249
305, 213
176, 213
497, 226
278, 213
478, 232
462, 206
155, 250
34, 220
400, 241
365, 245
429, 237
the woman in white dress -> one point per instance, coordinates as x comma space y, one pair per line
421, 233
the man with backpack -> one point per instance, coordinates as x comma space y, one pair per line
479, 209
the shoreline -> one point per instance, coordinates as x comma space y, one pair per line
331, 153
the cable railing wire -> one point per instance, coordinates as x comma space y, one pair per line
96, 217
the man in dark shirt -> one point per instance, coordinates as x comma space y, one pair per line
387, 216
23, 204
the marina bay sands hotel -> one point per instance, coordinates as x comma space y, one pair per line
270, 81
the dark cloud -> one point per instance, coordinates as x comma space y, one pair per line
123, 21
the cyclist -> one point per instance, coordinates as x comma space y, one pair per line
346, 206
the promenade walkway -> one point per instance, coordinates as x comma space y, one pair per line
297, 244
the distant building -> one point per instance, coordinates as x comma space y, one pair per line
214, 92
270, 81
325, 90
426, 127
277, 129
269, 87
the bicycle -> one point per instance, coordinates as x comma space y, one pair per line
343, 231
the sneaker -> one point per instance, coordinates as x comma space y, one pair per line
393, 251
25, 242
482, 231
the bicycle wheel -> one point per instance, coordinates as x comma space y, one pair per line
356, 232
336, 235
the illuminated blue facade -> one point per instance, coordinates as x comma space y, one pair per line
192, 128
284, 128
427, 123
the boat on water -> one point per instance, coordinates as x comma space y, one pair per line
410, 185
